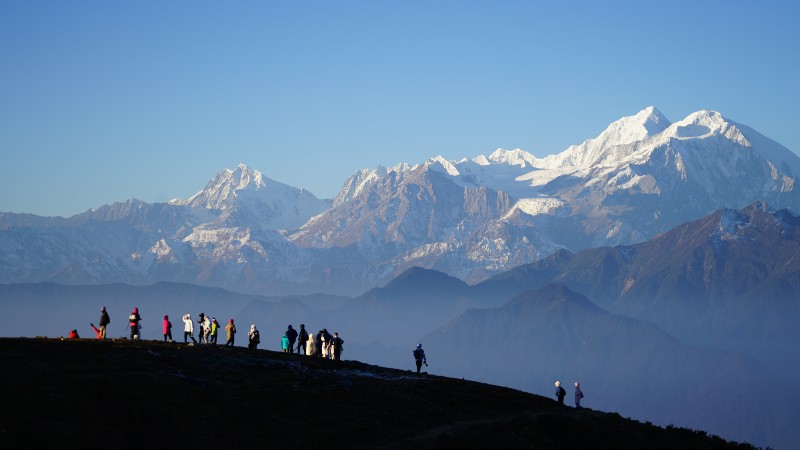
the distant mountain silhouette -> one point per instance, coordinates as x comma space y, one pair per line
729, 279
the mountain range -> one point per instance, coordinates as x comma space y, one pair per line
678, 329
471, 219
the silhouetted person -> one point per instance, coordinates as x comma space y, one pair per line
560, 392
104, 321
302, 338
337, 343
201, 333
73, 334
133, 322
291, 333
419, 357
578, 395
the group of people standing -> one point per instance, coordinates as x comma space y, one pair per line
207, 330
561, 393
323, 344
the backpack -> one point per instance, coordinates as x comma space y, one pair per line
417, 353
561, 391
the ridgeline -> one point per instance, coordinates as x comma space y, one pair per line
117, 394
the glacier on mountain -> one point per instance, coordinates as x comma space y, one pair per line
469, 218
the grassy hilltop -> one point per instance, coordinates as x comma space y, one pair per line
146, 394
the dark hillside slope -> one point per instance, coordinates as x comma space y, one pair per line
146, 394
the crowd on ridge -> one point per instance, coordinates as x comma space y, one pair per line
322, 344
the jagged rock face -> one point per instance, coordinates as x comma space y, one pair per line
472, 218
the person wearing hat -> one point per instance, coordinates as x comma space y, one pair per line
419, 357
302, 339
104, 321
230, 328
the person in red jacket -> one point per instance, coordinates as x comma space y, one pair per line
167, 329
134, 319
73, 334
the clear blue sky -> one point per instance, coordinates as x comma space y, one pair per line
109, 100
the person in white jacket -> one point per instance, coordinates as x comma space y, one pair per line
188, 328
207, 330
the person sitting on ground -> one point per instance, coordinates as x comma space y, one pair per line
73, 334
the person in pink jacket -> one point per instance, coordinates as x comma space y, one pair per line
167, 329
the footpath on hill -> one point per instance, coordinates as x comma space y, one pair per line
86, 393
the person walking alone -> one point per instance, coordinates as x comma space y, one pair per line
419, 357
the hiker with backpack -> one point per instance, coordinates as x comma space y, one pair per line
419, 357
560, 392
253, 337
188, 329
578, 395
302, 338
133, 323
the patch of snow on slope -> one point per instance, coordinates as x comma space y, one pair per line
535, 206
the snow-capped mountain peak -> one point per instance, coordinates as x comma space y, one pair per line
615, 142
516, 157
220, 192
706, 123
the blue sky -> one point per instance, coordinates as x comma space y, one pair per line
105, 101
